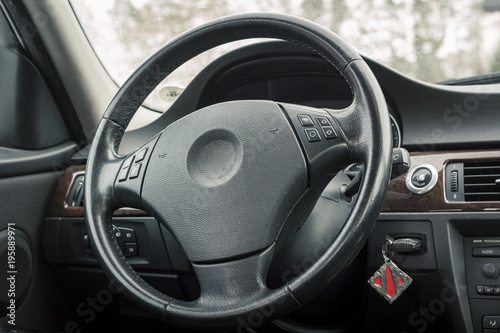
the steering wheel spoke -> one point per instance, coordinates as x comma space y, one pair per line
346, 120
130, 175
322, 139
230, 281
226, 286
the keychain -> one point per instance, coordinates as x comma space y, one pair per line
389, 281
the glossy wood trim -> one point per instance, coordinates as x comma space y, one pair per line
59, 206
400, 199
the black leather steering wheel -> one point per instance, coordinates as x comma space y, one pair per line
235, 180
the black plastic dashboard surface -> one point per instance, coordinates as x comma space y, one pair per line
431, 116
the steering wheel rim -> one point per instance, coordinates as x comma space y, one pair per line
364, 128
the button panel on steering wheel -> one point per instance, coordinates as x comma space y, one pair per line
320, 138
128, 184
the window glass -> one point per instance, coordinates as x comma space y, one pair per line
429, 40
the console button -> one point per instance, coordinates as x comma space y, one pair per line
312, 134
488, 290
119, 236
131, 249
496, 290
329, 132
125, 169
123, 174
480, 290
493, 251
127, 162
86, 241
421, 178
323, 121
134, 171
128, 234
140, 155
491, 322
117, 232
397, 156
305, 120
490, 270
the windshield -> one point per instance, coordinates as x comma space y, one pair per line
428, 40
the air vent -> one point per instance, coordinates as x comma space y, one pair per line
482, 181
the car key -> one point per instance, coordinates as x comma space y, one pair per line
389, 281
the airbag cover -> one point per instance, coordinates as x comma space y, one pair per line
228, 176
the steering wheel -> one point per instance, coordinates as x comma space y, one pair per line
234, 181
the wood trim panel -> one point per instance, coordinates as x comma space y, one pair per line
399, 199
59, 206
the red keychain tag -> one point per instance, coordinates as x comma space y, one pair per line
389, 281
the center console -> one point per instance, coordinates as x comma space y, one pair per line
482, 262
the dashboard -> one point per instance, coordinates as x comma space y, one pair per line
300, 80
450, 129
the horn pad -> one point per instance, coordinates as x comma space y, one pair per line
228, 175
215, 157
